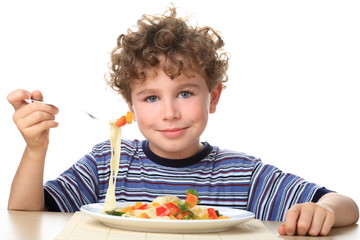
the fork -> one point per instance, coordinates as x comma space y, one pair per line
87, 113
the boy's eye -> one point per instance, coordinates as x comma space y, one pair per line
151, 99
185, 94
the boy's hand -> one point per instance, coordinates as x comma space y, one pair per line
308, 219
33, 120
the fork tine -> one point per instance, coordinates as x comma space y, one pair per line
92, 116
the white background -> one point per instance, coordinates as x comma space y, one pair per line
292, 98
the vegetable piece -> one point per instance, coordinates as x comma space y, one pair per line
143, 207
137, 205
193, 191
114, 213
212, 213
121, 121
162, 211
184, 207
144, 215
127, 209
174, 210
129, 117
218, 213
191, 199
155, 204
140, 205
185, 215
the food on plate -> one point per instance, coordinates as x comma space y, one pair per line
169, 207
115, 142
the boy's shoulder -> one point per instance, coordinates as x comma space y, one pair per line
223, 154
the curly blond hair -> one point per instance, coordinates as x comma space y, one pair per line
185, 48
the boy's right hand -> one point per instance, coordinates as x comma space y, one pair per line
34, 120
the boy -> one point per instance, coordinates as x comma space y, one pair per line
172, 76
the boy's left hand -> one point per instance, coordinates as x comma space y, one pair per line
308, 219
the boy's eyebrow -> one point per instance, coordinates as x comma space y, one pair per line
188, 85
150, 91
146, 91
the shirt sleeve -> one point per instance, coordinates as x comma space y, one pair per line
74, 188
272, 192
319, 193
50, 203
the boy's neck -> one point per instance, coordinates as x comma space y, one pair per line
206, 148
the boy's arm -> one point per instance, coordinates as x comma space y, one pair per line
27, 191
34, 122
332, 210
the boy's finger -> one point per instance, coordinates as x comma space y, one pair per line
306, 218
291, 219
328, 223
34, 110
36, 118
317, 222
42, 126
281, 229
37, 95
17, 97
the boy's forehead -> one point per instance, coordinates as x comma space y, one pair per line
161, 74
151, 75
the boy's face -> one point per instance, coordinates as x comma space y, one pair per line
172, 114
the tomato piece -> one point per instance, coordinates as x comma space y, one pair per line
143, 207
174, 210
162, 211
212, 213
140, 205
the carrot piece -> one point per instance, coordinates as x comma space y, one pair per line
144, 215
127, 209
191, 199
137, 205
129, 117
121, 121
155, 204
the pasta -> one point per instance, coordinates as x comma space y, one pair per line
115, 142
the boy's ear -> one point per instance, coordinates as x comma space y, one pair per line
215, 97
132, 111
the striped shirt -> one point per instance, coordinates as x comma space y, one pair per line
222, 178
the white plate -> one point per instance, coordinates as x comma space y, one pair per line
237, 216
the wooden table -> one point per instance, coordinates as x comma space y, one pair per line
22, 225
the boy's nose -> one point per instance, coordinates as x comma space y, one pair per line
170, 111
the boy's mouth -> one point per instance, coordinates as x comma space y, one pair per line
173, 132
